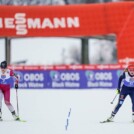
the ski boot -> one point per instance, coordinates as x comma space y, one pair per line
15, 116
110, 119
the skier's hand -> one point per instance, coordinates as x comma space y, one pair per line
16, 86
118, 91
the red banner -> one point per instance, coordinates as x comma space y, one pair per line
72, 20
71, 67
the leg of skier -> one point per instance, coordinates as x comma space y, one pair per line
117, 107
1, 96
132, 99
8, 104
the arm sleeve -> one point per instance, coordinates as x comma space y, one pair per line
120, 80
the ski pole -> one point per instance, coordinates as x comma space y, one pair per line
17, 102
114, 98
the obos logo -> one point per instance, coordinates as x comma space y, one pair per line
89, 75
119, 72
55, 76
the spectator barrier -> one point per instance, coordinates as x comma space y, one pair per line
68, 76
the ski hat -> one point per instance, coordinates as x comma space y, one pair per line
130, 66
3, 64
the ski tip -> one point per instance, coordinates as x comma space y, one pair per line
106, 121
21, 120
102, 121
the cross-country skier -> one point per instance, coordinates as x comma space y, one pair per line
125, 87
5, 77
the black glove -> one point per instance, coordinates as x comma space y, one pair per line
16, 86
118, 91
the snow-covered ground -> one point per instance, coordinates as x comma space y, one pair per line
46, 112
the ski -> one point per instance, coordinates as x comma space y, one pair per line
106, 121
13, 120
20, 120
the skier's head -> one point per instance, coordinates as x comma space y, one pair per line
3, 65
131, 69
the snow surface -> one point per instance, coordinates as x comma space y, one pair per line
46, 112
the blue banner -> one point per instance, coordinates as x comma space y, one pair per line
32, 79
68, 79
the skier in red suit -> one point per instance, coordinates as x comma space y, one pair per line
6, 77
